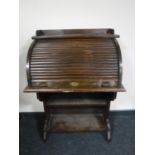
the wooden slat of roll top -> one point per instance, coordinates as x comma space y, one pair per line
37, 63
67, 52
107, 50
77, 43
73, 76
76, 67
64, 59
73, 46
78, 64
82, 76
55, 57
59, 70
59, 43
69, 63
84, 61
76, 57
76, 75
71, 68
59, 56
34, 76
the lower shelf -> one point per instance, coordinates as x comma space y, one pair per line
77, 123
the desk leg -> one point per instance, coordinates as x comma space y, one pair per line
45, 131
46, 123
108, 136
107, 121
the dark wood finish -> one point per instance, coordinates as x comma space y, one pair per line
75, 72
72, 90
76, 36
74, 31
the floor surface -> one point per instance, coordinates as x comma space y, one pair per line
123, 138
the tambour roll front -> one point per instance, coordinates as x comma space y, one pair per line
75, 72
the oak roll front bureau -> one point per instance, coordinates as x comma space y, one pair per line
76, 73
